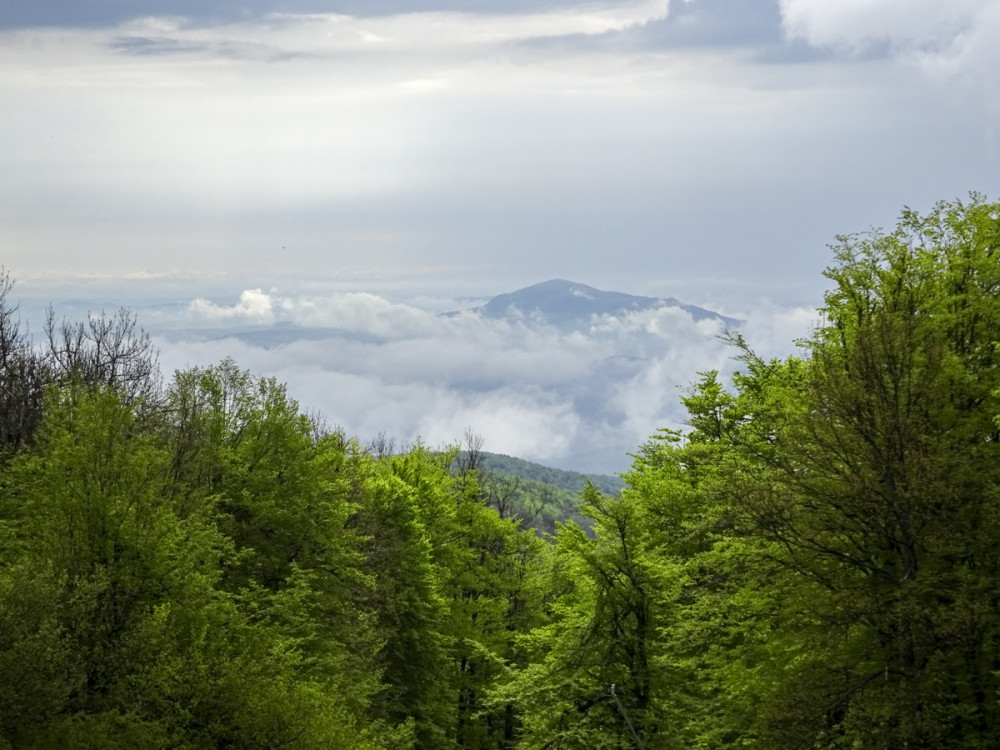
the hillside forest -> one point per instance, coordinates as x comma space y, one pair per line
813, 563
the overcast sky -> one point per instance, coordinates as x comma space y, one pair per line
704, 149
714, 146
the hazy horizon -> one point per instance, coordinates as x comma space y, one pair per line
158, 153
385, 363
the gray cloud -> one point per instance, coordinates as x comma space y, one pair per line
921, 24
689, 22
144, 45
751, 28
158, 46
718, 23
98, 13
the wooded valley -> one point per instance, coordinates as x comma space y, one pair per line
197, 562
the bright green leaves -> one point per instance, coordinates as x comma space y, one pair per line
602, 633
95, 494
454, 584
284, 499
196, 594
815, 559
866, 473
900, 453
811, 565
95, 523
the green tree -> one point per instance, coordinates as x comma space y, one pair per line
454, 584
132, 630
589, 681
406, 511
895, 459
869, 468
89, 512
287, 500
495, 593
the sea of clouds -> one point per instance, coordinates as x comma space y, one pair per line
581, 399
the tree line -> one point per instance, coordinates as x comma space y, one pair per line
812, 563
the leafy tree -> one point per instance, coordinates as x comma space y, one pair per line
817, 554
589, 682
89, 513
495, 591
134, 629
894, 464
406, 511
33, 654
866, 471
287, 501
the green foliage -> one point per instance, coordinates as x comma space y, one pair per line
406, 598
864, 478
455, 582
537, 496
895, 479
812, 565
127, 634
571, 481
601, 635
494, 595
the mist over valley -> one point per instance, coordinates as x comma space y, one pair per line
558, 372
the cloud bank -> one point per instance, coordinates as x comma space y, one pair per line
227, 152
579, 399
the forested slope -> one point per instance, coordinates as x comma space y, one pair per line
194, 563
539, 497
571, 481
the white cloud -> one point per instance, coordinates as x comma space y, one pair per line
668, 322
350, 386
361, 312
581, 399
518, 422
902, 23
953, 45
253, 306
771, 330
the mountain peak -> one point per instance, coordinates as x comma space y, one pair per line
571, 304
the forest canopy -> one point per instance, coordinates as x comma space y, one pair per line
195, 562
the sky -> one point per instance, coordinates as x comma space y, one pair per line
223, 163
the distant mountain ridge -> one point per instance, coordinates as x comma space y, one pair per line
568, 304
540, 495
572, 481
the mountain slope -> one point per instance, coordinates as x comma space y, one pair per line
568, 304
539, 495
573, 481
